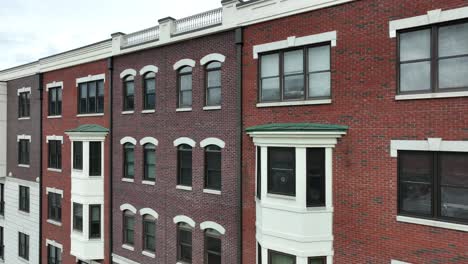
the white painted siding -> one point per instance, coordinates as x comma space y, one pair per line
3, 128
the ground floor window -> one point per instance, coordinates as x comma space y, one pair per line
184, 241
23, 246
317, 260
275, 257
54, 255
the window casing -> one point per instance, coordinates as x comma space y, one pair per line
282, 171
212, 247
433, 185
129, 228
24, 105
55, 101
55, 154
184, 165
275, 257
94, 221
184, 83
213, 84
78, 155
91, 97
78, 217
149, 99
54, 255
259, 253
433, 59
129, 161
95, 159
23, 152
129, 93
55, 206
149, 233
24, 198
23, 246
184, 243
315, 177
150, 162
317, 260
297, 74
213, 167
2, 199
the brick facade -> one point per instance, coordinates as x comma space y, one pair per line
363, 97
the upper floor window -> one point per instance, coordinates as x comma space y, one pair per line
129, 161
54, 206
54, 255
149, 100
78, 217
184, 243
150, 162
24, 104
129, 228
77, 155
213, 83
275, 257
212, 246
55, 154
23, 246
317, 260
55, 101
282, 171
213, 167
184, 83
129, 93
91, 97
434, 59
433, 185
315, 177
24, 198
94, 221
184, 165
300, 74
23, 152
95, 159
149, 233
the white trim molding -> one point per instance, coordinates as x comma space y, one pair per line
184, 62
54, 137
25, 137
184, 219
54, 190
130, 140
24, 90
432, 17
150, 140
128, 72
431, 144
213, 57
184, 140
214, 226
54, 85
433, 223
293, 103
128, 207
401, 97
212, 141
122, 260
149, 211
91, 78
398, 262
54, 243
148, 68
294, 41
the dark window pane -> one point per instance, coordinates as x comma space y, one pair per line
150, 162
83, 98
280, 258
415, 45
415, 76
454, 202
453, 40
185, 70
94, 221
77, 155
185, 165
129, 95
78, 217
259, 173
454, 169
129, 228
150, 92
281, 171
452, 73
92, 97
271, 89
100, 107
315, 177
321, 260
294, 87
129, 161
213, 65
213, 167
95, 158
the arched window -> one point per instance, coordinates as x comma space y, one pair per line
184, 243
149, 100
129, 161
185, 86
184, 165
212, 246
150, 162
213, 83
213, 167
129, 228
149, 233
129, 93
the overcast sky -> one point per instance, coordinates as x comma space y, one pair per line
32, 29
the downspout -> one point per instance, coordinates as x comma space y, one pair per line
239, 43
110, 67
41, 98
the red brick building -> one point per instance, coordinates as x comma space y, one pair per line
390, 189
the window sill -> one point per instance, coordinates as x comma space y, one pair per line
23, 166
54, 117
182, 187
54, 170
24, 118
402, 97
209, 191
23, 260
52, 222
148, 111
295, 103
148, 254
127, 112
187, 109
433, 223
211, 108
128, 247
148, 183
23, 213
280, 196
128, 180
90, 115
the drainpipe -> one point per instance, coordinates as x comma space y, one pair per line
110, 67
41, 98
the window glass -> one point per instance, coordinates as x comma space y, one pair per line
319, 84
213, 246
83, 98
150, 90
129, 225
315, 177
184, 238
23, 246
452, 73
453, 39
185, 165
415, 76
270, 65
55, 207
77, 155
149, 231
24, 198
213, 167
100, 107
281, 171
129, 160
150, 162
92, 97
95, 159
129, 93
415, 45
259, 173
77, 217
281, 258
271, 89
270, 81
454, 185
94, 221
55, 154
23, 152
319, 58
293, 87
320, 260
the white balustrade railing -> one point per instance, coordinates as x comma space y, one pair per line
139, 37
199, 21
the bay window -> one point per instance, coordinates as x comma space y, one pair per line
282, 171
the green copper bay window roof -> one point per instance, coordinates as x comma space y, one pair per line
89, 129
298, 127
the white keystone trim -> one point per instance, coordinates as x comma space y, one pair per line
54, 190
54, 243
128, 140
26, 137
432, 17
212, 57
212, 141
149, 68
149, 211
184, 62
54, 85
91, 78
24, 90
184, 140
398, 262
184, 219
431, 144
54, 137
433, 223
150, 140
295, 42
129, 207
214, 226
127, 72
